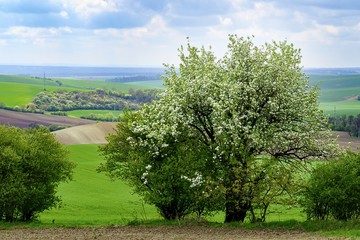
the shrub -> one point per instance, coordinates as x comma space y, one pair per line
177, 181
333, 190
32, 164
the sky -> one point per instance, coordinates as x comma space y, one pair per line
148, 33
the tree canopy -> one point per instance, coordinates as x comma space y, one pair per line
32, 164
252, 104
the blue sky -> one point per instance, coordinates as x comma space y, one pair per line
148, 32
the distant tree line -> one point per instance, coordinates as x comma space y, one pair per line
350, 124
99, 99
21, 109
123, 79
99, 117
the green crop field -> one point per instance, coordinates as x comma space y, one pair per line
19, 94
79, 113
153, 84
20, 90
338, 93
92, 198
94, 84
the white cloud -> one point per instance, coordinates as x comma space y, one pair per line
37, 36
29, 32
64, 14
155, 27
258, 11
225, 21
324, 34
149, 31
87, 8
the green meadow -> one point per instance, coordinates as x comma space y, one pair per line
153, 83
17, 94
338, 93
92, 198
20, 90
80, 113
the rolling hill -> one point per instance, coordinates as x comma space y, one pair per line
86, 134
24, 120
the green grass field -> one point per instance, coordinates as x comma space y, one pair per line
94, 84
16, 94
338, 93
20, 90
79, 113
93, 199
153, 84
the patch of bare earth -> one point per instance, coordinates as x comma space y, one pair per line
345, 141
24, 120
86, 134
154, 233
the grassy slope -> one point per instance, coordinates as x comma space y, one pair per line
93, 84
92, 198
79, 113
20, 90
336, 90
12, 94
153, 84
338, 93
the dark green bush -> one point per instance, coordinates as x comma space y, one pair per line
333, 190
32, 164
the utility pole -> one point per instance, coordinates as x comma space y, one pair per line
44, 82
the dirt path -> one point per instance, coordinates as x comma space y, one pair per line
153, 233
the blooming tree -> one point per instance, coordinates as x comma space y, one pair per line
254, 101
170, 173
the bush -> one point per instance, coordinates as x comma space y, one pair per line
333, 190
32, 164
177, 181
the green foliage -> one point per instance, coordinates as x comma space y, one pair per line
100, 99
350, 124
169, 179
253, 101
279, 185
333, 190
32, 164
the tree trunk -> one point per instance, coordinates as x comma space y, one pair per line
236, 209
236, 214
238, 199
